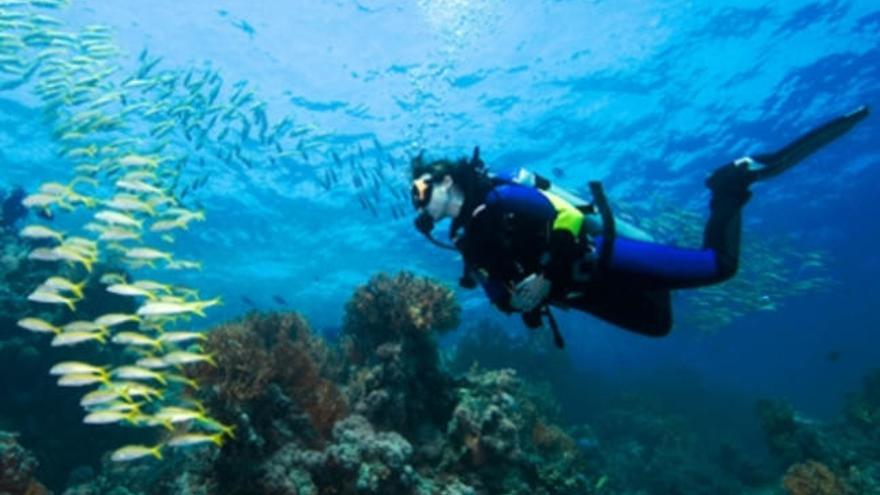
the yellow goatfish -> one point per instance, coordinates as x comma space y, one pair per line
37, 325
100, 396
138, 186
139, 161
77, 368
40, 232
105, 417
112, 278
40, 200
83, 326
166, 225
190, 439
184, 357
118, 234
116, 218
178, 337
214, 425
81, 380
62, 284
147, 254
130, 290
127, 202
138, 373
173, 414
160, 308
153, 363
47, 297
43, 254
135, 339
134, 452
184, 265
73, 338
135, 389
114, 319
153, 286
72, 255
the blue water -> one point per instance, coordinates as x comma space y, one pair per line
646, 96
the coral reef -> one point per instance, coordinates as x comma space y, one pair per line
403, 307
813, 478
17, 468
388, 330
278, 352
390, 421
182, 473
499, 440
393, 420
641, 448
359, 460
27, 389
840, 456
632, 440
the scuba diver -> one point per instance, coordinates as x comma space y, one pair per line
531, 245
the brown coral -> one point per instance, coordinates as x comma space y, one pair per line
813, 478
274, 349
388, 308
17, 468
551, 438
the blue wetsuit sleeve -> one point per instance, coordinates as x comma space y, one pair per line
660, 266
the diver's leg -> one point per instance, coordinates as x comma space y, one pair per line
641, 311
653, 266
724, 228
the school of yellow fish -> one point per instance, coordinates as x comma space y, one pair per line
121, 150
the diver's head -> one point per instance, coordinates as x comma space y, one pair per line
437, 190
439, 197
447, 189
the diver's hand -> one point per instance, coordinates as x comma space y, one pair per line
530, 293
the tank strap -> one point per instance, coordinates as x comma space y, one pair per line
608, 228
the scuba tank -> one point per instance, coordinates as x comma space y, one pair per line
592, 216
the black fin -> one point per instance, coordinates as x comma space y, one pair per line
779, 161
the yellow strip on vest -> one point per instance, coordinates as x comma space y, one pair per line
567, 216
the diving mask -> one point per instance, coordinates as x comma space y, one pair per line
421, 191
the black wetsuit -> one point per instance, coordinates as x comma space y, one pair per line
509, 235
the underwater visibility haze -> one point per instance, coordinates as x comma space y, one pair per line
211, 281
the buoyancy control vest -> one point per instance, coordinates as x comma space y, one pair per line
574, 213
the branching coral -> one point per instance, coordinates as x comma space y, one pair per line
813, 478
389, 309
358, 460
388, 327
499, 439
259, 351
